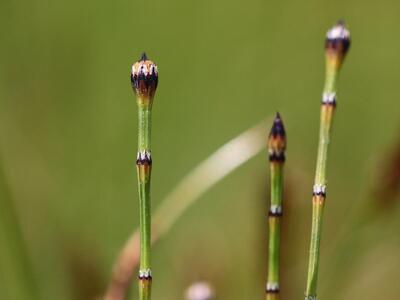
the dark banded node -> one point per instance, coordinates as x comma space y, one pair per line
272, 291
275, 214
145, 275
275, 211
319, 190
272, 288
277, 157
144, 78
143, 158
329, 99
320, 194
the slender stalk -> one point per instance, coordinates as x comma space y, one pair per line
337, 43
276, 150
144, 78
143, 165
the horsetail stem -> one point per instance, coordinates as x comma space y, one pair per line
336, 46
144, 79
276, 151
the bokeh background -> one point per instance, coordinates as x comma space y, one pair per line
68, 195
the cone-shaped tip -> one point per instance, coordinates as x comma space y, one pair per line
337, 43
277, 140
143, 57
341, 22
144, 78
277, 127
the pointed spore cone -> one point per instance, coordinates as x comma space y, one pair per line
277, 140
337, 44
144, 79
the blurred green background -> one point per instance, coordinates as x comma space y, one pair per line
68, 143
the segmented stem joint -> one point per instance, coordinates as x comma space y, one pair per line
275, 211
319, 190
143, 158
145, 274
272, 288
278, 157
329, 99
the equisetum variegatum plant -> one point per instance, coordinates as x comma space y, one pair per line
144, 79
276, 151
336, 46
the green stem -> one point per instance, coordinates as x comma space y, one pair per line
327, 112
274, 222
330, 80
276, 150
144, 174
144, 127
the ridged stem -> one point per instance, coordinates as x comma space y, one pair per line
274, 222
144, 126
337, 44
143, 165
319, 192
276, 150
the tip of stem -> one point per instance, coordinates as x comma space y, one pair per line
337, 44
341, 22
277, 140
144, 78
143, 57
278, 128
339, 31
